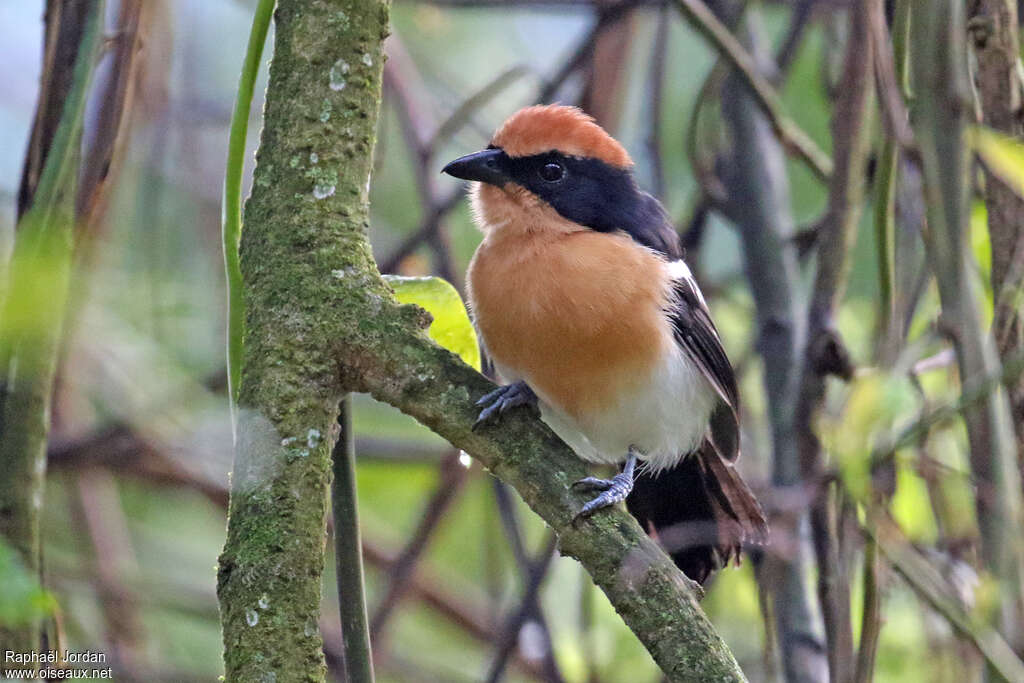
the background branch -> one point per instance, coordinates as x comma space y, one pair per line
939, 65
825, 353
793, 138
756, 178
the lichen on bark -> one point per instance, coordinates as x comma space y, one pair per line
320, 322
305, 224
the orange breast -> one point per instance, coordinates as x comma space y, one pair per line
578, 315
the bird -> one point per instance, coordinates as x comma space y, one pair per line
582, 300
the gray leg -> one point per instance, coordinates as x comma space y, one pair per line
503, 399
613, 490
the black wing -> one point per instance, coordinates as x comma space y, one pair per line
697, 337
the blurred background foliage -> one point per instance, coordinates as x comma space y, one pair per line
139, 454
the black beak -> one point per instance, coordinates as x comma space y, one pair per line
488, 166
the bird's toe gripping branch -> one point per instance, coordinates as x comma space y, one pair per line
503, 399
612, 490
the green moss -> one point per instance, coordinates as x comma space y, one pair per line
293, 240
321, 323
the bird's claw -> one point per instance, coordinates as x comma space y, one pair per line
613, 490
501, 400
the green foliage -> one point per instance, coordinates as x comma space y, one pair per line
910, 506
451, 327
231, 201
31, 339
875, 404
158, 322
22, 599
1003, 155
39, 271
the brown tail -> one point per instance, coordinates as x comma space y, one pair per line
701, 511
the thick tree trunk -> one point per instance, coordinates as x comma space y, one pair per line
304, 226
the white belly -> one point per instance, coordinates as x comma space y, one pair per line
664, 419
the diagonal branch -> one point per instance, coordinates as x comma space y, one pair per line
536, 571
397, 364
452, 477
530, 605
790, 134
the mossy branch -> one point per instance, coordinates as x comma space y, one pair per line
321, 322
394, 361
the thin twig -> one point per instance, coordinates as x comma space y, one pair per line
656, 88
427, 227
513, 532
536, 4
941, 80
107, 528
231, 198
798, 23
790, 134
759, 204
891, 70
931, 587
510, 632
106, 133
37, 281
871, 617
584, 50
825, 353
399, 72
438, 208
452, 477
604, 79
464, 112
348, 556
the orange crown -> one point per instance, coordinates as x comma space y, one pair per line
542, 128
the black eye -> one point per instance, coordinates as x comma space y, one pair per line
551, 172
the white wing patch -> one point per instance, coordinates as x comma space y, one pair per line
678, 270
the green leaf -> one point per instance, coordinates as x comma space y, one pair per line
231, 198
911, 507
875, 403
22, 599
1002, 154
451, 327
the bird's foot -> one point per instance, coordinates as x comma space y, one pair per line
503, 399
612, 490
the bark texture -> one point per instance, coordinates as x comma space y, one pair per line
321, 323
305, 224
